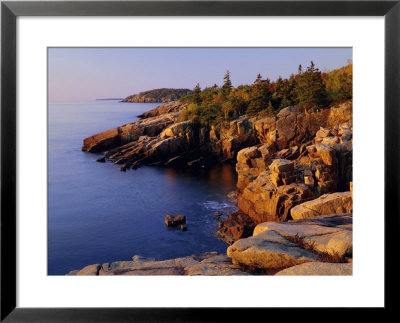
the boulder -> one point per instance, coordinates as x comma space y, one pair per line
318, 269
326, 153
327, 204
251, 162
89, 270
268, 250
218, 265
266, 130
263, 201
323, 132
236, 226
332, 236
174, 220
233, 137
286, 126
281, 166
177, 129
330, 141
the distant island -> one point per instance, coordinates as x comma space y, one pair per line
109, 99
158, 96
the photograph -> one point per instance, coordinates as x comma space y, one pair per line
210, 161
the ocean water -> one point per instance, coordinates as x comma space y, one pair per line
97, 214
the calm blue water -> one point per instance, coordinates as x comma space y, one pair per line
97, 214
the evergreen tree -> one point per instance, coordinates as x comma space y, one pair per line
261, 94
311, 89
289, 96
258, 79
226, 88
196, 94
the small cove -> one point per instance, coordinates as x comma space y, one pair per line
97, 214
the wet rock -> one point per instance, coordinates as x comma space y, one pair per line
183, 227
236, 226
174, 220
232, 197
101, 160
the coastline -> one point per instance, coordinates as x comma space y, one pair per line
299, 160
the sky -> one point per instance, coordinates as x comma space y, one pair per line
76, 74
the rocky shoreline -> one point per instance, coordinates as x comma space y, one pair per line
294, 189
318, 246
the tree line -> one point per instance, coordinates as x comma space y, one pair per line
309, 89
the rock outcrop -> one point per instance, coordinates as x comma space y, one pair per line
236, 226
174, 220
275, 246
271, 181
169, 107
318, 235
206, 264
327, 204
128, 133
269, 251
160, 139
318, 269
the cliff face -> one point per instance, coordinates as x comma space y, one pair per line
160, 139
289, 169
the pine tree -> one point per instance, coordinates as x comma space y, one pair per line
226, 88
261, 94
311, 89
196, 94
258, 79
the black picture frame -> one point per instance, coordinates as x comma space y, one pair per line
10, 10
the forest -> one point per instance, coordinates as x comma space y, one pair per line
309, 89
